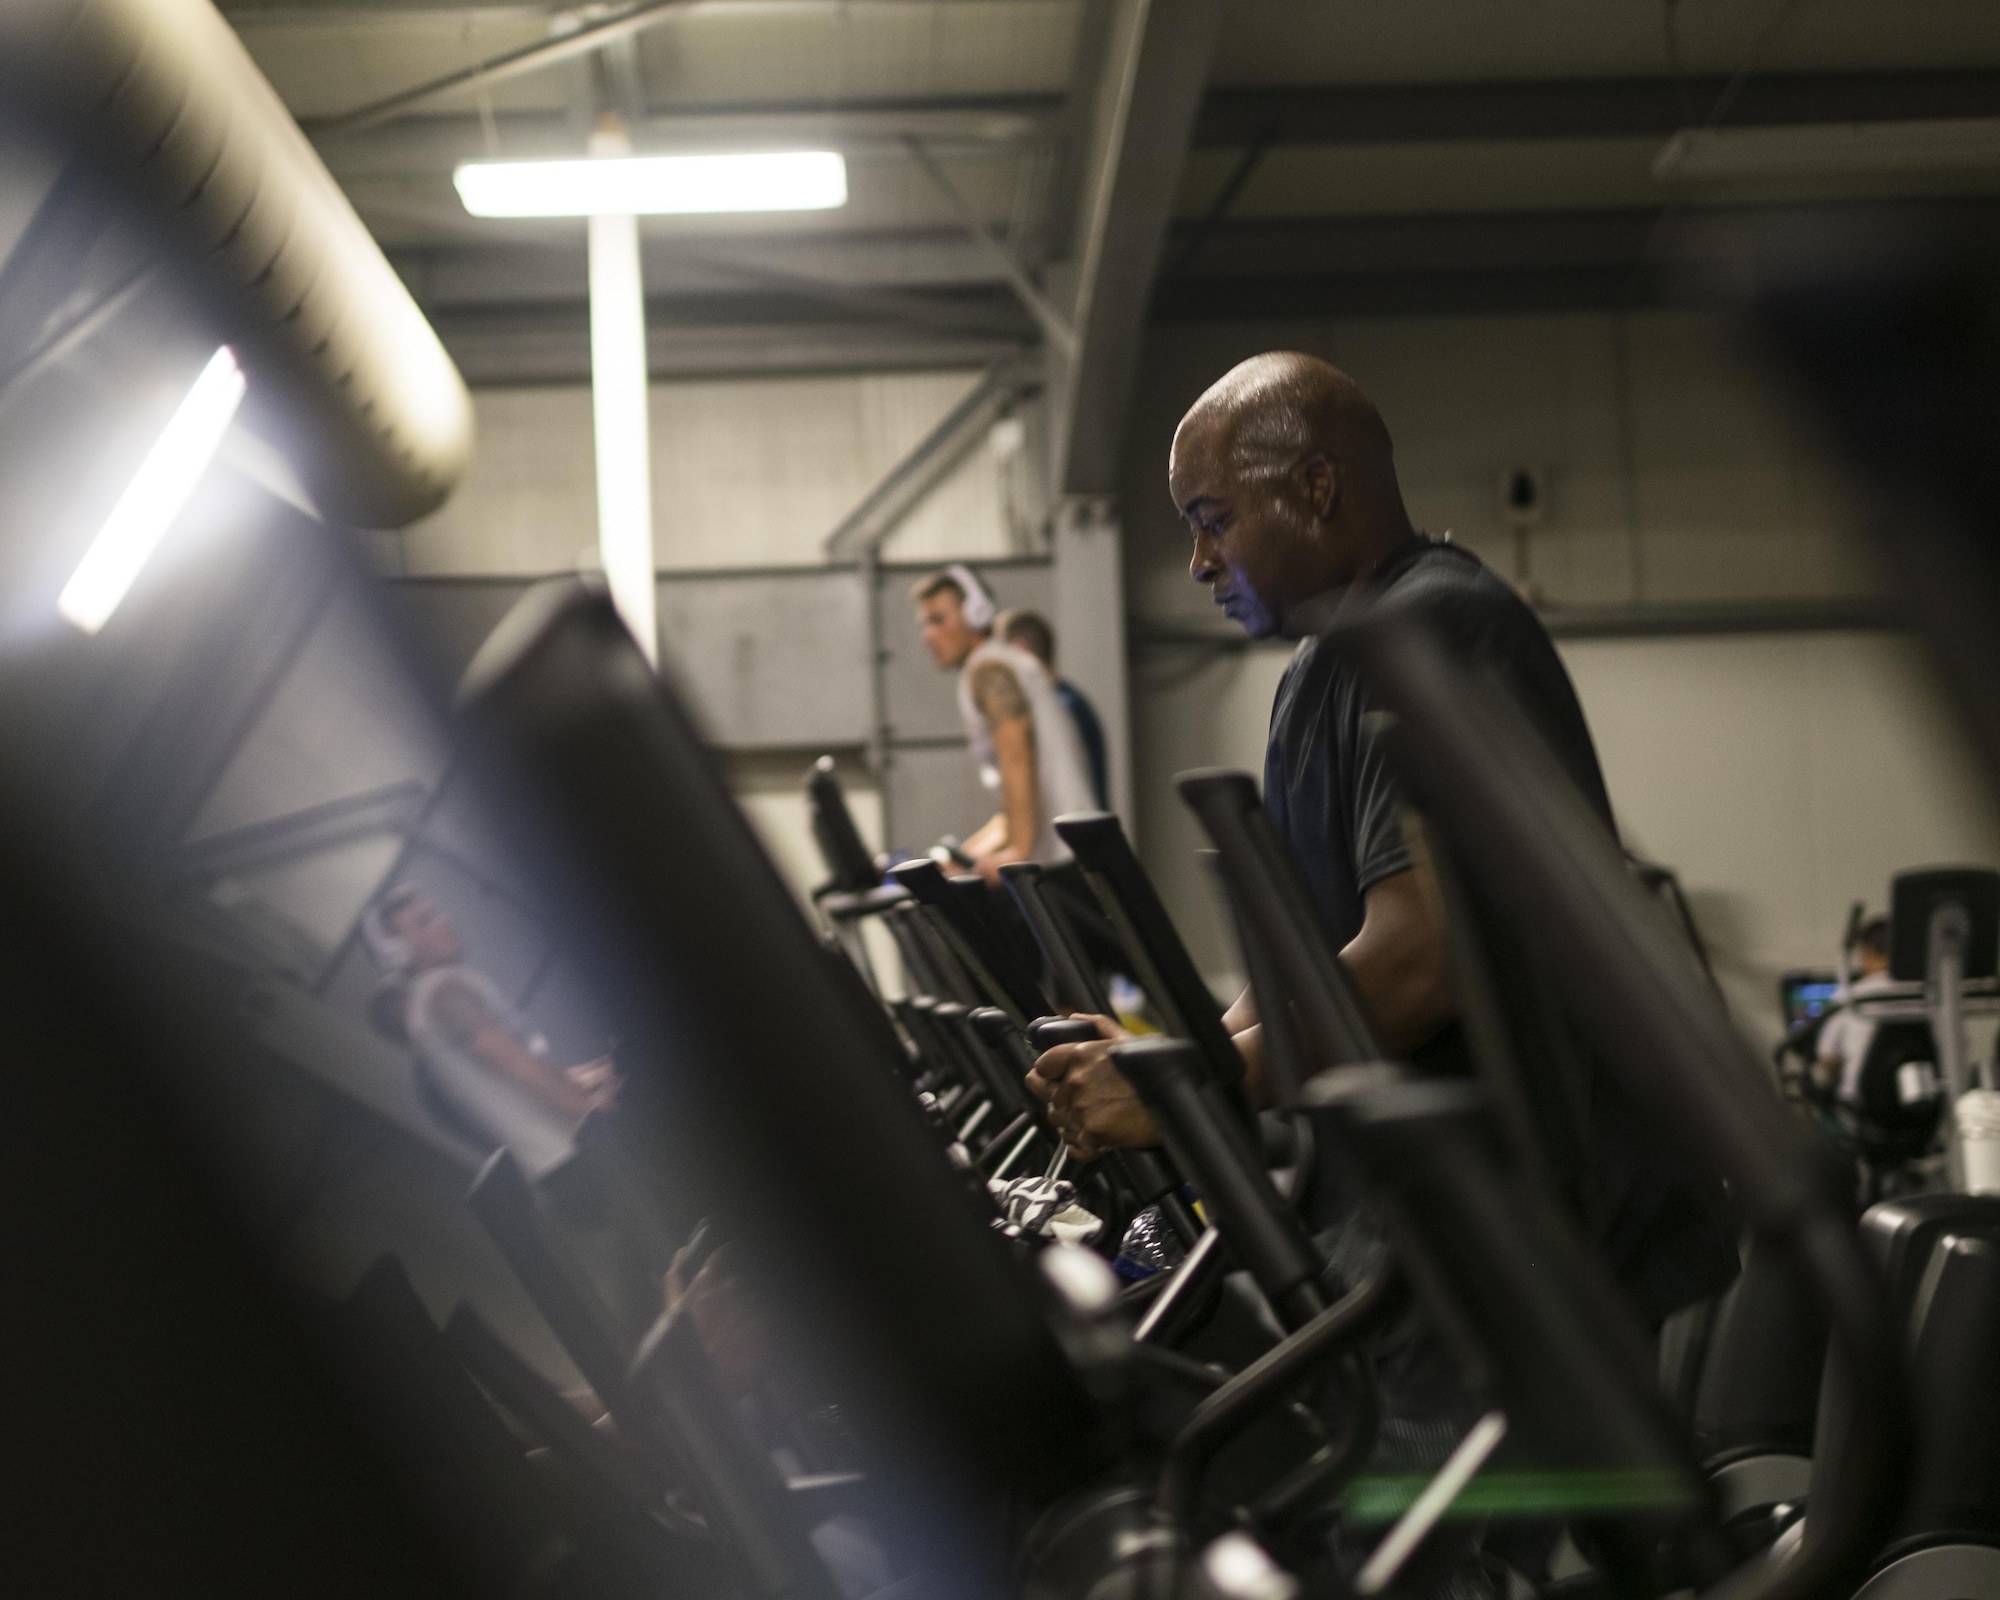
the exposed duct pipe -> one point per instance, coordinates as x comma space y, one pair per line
167, 108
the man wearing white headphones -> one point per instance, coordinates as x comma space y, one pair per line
1025, 743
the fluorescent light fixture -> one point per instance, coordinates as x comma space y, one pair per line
1831, 149
164, 483
649, 186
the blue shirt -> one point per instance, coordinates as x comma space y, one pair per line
1091, 731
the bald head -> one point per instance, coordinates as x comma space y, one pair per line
1265, 413
1285, 475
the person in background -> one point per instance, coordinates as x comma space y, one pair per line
480, 1057
1844, 1040
1025, 743
1030, 631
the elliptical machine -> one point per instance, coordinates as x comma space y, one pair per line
1894, 1115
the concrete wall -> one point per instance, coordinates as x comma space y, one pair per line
746, 473
1673, 474
1782, 775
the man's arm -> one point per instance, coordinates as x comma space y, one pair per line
989, 836
1399, 968
1399, 964
998, 694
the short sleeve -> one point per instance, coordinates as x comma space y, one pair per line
1380, 850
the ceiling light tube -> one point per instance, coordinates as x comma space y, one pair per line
651, 186
163, 485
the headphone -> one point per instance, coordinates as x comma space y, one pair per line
391, 950
977, 605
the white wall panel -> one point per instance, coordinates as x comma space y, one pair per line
769, 659
1782, 776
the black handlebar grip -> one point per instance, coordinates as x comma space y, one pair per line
1209, 1144
1045, 1033
1151, 1180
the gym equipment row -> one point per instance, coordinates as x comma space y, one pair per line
822, 1307
904, 1373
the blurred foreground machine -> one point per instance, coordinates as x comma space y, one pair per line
810, 1304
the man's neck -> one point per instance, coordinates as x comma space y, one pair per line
1384, 542
1313, 613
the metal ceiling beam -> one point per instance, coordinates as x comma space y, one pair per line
594, 35
469, 267
898, 490
1147, 98
497, 69
1488, 262
1079, 106
432, 145
1055, 326
529, 346
1580, 108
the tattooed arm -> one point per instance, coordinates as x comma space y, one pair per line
465, 1020
1001, 701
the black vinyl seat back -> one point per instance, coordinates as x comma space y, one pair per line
1899, 1100
850, 867
1954, 1494
1953, 1353
1758, 1389
1901, 1234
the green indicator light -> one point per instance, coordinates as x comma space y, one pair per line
1385, 1498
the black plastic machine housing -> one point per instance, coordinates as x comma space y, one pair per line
808, 1135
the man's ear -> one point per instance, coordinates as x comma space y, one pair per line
1318, 483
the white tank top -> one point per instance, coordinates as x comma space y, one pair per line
539, 1137
1062, 771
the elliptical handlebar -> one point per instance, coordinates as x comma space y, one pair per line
974, 939
1150, 1179
1166, 971
1208, 1144
1068, 963
1275, 913
1480, 769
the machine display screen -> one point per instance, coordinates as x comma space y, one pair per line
1806, 996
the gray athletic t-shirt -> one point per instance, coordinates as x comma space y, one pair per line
1326, 785
1338, 808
